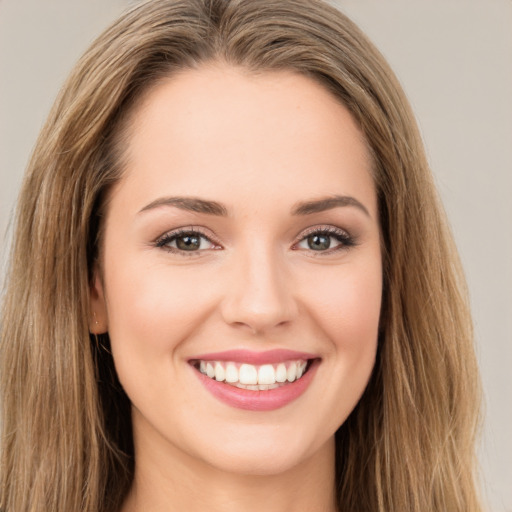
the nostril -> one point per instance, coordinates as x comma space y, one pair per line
246, 315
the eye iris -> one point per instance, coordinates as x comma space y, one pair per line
319, 242
188, 242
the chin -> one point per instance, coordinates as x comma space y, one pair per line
258, 463
264, 452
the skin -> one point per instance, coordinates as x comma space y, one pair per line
259, 145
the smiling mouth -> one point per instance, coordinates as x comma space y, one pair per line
254, 377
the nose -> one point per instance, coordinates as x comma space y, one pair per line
259, 293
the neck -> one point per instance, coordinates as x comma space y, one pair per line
171, 482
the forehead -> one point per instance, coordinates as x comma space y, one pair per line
207, 130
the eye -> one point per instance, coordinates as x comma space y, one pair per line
326, 240
185, 241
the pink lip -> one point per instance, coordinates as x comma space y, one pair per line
256, 358
268, 400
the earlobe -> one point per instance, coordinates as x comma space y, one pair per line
98, 321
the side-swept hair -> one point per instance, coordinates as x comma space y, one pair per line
66, 431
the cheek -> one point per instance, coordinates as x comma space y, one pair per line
154, 308
348, 312
152, 312
347, 307
349, 316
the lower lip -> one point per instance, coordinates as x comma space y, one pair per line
267, 400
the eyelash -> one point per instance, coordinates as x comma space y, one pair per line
345, 240
164, 241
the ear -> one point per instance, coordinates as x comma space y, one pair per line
98, 323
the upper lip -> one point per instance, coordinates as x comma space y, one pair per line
255, 358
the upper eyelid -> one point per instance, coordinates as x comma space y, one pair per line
321, 229
184, 230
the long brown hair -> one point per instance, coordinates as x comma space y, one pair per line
66, 431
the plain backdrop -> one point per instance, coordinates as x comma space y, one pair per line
454, 59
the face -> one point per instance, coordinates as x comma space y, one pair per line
241, 270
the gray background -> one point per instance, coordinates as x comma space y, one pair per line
454, 59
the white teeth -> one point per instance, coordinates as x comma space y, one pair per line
220, 373
291, 373
300, 371
281, 373
266, 374
231, 373
248, 374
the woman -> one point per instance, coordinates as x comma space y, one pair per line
232, 283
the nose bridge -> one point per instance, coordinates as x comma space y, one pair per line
260, 293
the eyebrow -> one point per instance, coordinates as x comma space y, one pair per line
194, 204
327, 203
191, 204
